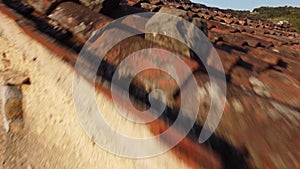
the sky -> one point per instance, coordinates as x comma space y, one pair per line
247, 4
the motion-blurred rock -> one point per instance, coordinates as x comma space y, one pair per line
16, 126
13, 108
12, 99
11, 77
